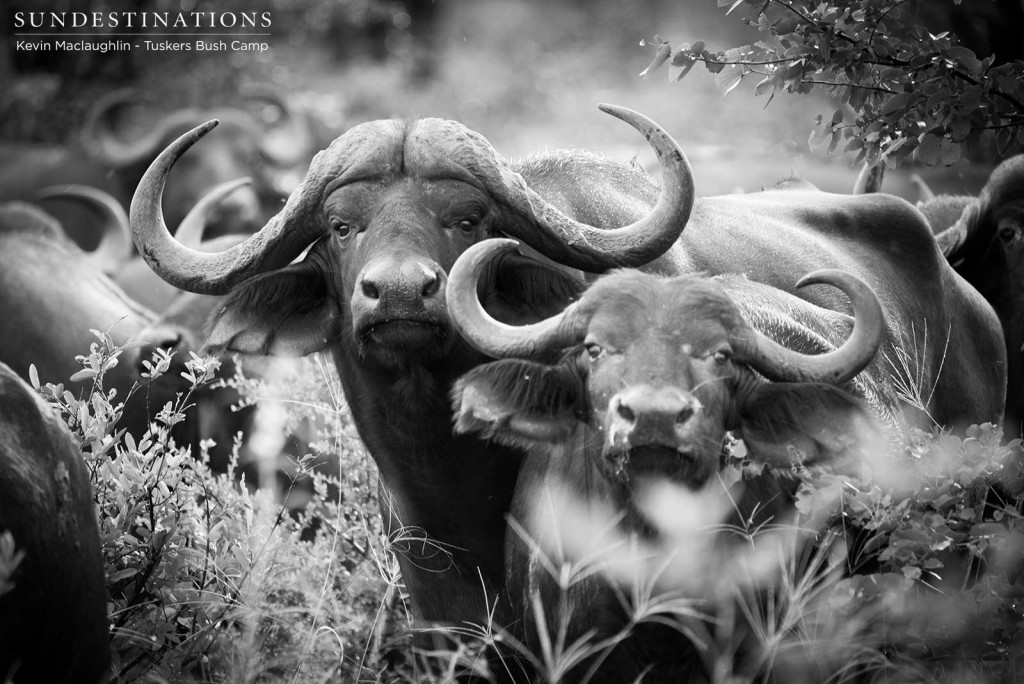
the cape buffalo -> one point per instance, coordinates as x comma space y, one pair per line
387, 209
643, 377
102, 158
983, 238
53, 602
52, 294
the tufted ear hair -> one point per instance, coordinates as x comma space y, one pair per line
525, 289
520, 403
789, 423
283, 313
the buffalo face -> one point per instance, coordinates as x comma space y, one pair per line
660, 391
388, 207
654, 372
393, 245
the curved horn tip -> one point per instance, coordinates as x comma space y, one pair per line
619, 112
506, 243
823, 276
203, 129
55, 191
487, 250
186, 140
829, 276
232, 185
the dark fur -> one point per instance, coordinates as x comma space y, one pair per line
786, 425
53, 623
983, 238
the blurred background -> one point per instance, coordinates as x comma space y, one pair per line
526, 74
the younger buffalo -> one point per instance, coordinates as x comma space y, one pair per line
651, 373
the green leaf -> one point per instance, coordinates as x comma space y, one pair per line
729, 78
84, 374
960, 129
895, 103
675, 78
660, 55
834, 142
949, 152
819, 136
928, 150
786, 25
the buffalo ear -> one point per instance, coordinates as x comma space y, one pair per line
284, 313
785, 423
520, 403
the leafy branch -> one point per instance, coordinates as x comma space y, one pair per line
903, 91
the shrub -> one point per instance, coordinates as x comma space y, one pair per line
914, 569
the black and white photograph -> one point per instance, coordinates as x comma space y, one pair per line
512, 341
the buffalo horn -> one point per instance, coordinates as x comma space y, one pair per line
592, 249
490, 336
207, 273
115, 245
836, 367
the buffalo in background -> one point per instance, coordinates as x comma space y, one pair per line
53, 602
983, 238
52, 295
274, 157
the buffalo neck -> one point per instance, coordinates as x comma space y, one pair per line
406, 423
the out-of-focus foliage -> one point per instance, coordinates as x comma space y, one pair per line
907, 92
916, 570
208, 581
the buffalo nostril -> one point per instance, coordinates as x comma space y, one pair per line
684, 415
433, 286
369, 289
171, 343
625, 412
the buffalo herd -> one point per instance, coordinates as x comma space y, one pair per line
502, 330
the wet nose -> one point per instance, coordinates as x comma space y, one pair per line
405, 283
645, 414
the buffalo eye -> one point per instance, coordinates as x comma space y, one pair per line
466, 225
340, 228
720, 357
594, 350
1007, 234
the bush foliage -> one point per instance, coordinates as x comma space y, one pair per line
916, 575
907, 92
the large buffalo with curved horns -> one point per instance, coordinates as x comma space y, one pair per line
639, 380
387, 208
